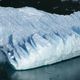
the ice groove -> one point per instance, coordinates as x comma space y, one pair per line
31, 38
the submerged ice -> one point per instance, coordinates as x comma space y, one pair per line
31, 38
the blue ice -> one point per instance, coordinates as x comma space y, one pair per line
31, 38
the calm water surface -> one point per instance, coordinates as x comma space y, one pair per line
66, 70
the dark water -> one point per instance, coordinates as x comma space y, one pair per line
67, 70
52, 6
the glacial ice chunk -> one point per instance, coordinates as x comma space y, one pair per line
31, 38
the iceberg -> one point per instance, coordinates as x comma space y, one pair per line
32, 38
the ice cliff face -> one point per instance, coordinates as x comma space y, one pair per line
31, 38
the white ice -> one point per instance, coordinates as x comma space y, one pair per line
31, 38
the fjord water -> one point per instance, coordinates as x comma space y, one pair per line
68, 70
52, 6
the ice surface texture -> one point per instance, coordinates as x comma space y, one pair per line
31, 38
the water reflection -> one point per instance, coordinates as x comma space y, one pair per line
67, 70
